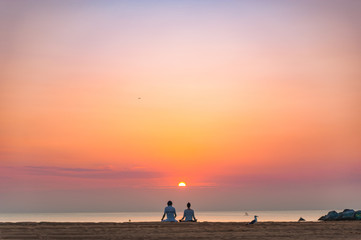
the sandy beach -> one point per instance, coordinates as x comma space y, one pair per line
203, 230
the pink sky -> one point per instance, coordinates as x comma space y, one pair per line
254, 104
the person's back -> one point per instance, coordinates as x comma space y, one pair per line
170, 212
188, 215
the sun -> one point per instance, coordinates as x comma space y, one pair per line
182, 184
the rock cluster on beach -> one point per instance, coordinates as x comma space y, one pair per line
347, 214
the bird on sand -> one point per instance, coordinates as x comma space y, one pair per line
254, 220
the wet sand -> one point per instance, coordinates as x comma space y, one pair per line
203, 230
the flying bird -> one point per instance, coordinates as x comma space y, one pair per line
254, 220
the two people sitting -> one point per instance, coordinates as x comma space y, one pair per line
188, 215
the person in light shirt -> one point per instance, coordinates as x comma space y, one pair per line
188, 214
170, 212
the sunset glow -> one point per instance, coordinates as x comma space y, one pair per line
106, 103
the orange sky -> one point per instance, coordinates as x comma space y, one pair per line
233, 97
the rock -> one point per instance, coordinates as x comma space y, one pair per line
331, 216
347, 214
357, 215
301, 219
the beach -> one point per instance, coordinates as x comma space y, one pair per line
201, 230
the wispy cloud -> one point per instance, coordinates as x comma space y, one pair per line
292, 177
92, 173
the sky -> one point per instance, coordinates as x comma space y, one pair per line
108, 105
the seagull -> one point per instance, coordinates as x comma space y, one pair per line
254, 220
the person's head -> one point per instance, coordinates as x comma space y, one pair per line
169, 203
188, 205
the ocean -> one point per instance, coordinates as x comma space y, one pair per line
202, 216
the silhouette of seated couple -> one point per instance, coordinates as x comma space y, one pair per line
171, 214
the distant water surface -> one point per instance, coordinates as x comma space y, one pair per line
210, 216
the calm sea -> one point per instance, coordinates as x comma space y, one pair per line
211, 216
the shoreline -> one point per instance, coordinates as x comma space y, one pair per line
209, 216
146, 222
196, 230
